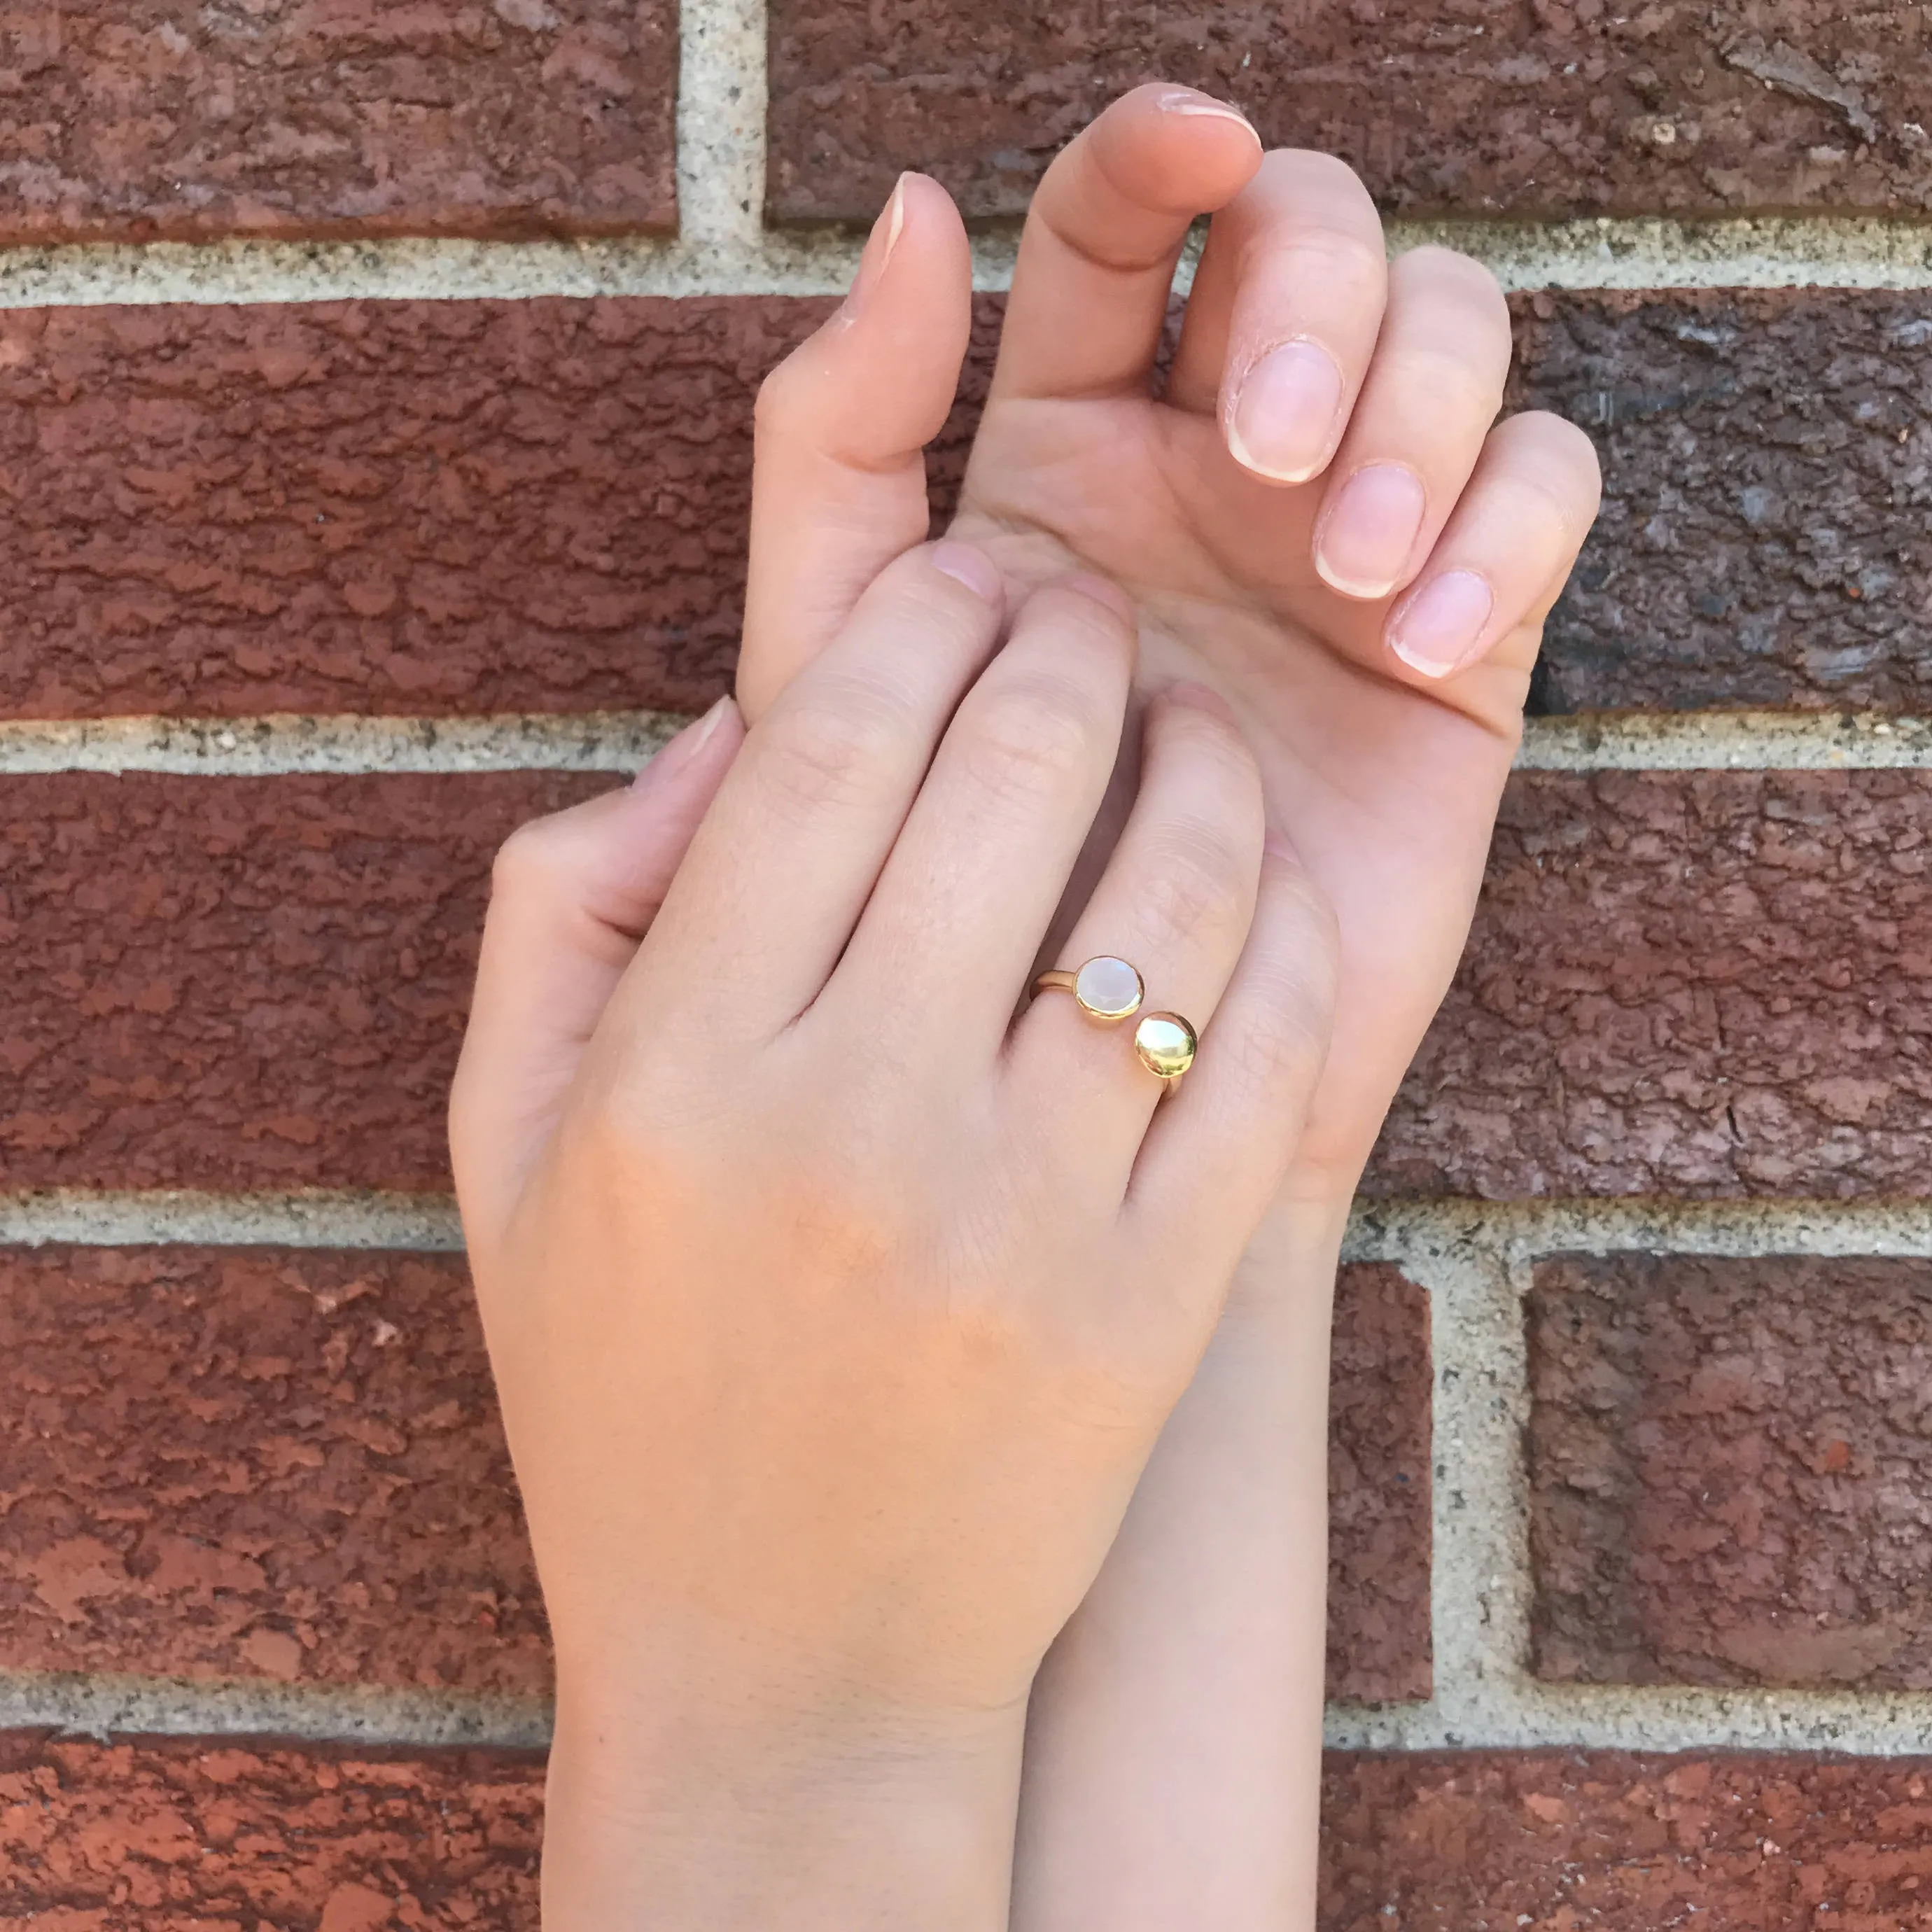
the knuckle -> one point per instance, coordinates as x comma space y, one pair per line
1453, 273
832, 747
525, 862
1032, 735
1196, 885
1349, 269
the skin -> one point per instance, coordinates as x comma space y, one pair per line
1172, 1767
834, 1309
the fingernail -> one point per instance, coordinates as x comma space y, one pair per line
966, 564
1283, 419
1363, 544
686, 745
1199, 696
879, 246
1203, 106
1439, 627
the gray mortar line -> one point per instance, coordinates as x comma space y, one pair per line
609, 741
723, 248
1684, 741
80, 1217
622, 741
1823, 252
122, 1706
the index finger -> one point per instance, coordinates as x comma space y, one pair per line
1106, 227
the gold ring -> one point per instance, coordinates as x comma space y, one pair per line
1109, 990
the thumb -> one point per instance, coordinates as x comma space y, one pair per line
839, 484
571, 897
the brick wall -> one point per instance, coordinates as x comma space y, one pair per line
374, 388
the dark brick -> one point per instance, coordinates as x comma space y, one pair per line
1731, 1471
237, 983
157, 118
441, 507
194, 1836
1561, 107
236, 1462
242, 1463
414, 507
177, 1837
1610, 1842
1704, 984
1379, 1408
1766, 532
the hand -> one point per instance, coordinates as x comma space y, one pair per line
834, 1312
1334, 537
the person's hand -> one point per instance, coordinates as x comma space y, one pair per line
1318, 518
835, 1310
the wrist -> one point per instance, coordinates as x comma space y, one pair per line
689, 1814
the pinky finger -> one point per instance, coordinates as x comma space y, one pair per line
1501, 560
1221, 1142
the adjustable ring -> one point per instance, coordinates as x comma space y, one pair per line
1109, 990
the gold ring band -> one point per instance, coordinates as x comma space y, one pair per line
1108, 989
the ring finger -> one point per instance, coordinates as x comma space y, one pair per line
1174, 903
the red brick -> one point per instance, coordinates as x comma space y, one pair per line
156, 119
241, 1463
1379, 1534
195, 1836
1702, 984
1611, 1842
176, 1836
438, 507
1731, 1471
1559, 107
236, 983
413, 507
1765, 538
1706, 984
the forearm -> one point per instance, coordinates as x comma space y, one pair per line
659, 1820
1173, 1764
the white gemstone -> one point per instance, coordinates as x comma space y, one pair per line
1109, 988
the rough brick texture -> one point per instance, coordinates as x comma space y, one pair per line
240, 1463
182, 1837
285, 1463
413, 507
1606, 1842
155, 118
1766, 532
1705, 984
196, 1836
1379, 1410
1563, 106
1731, 1471
236, 983
436, 507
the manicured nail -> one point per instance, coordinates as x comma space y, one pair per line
1363, 544
1205, 107
1438, 628
967, 564
879, 246
1283, 420
686, 745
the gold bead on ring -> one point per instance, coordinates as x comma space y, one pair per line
1109, 990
